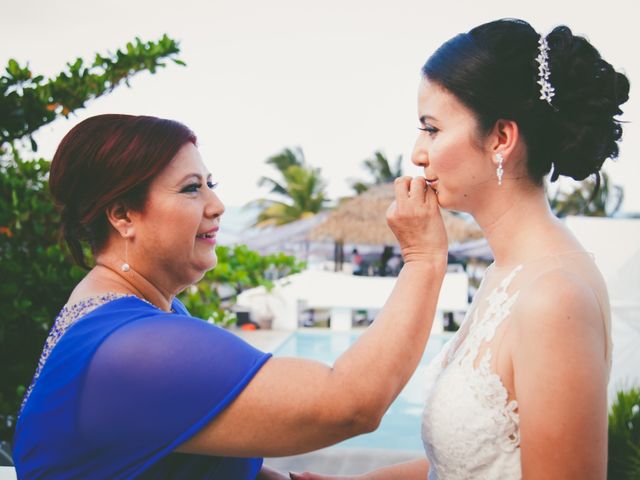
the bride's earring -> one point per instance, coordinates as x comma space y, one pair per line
125, 266
499, 170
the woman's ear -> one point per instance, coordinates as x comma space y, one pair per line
504, 139
118, 216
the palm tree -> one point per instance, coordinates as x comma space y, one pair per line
302, 190
584, 200
379, 168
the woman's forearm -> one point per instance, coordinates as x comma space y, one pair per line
400, 332
294, 405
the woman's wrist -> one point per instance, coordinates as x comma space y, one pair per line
437, 262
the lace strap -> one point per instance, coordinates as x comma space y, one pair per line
482, 329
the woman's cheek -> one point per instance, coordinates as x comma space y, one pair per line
447, 160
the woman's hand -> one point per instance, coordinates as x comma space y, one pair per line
416, 221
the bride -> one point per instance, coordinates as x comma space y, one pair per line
520, 391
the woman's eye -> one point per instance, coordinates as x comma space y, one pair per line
194, 187
429, 129
212, 185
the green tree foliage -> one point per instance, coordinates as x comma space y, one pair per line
28, 102
238, 268
379, 170
582, 201
624, 436
36, 271
301, 188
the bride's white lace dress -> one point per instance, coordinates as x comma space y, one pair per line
470, 426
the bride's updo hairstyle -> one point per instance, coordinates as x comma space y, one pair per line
493, 70
104, 159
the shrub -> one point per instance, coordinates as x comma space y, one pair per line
37, 274
624, 436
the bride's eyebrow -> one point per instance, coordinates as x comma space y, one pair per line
424, 118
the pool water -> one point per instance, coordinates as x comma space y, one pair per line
400, 426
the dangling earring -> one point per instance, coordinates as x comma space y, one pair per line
125, 266
499, 170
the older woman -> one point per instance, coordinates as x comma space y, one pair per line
130, 385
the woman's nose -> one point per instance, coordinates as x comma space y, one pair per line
419, 156
214, 207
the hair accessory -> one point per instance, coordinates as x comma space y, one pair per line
546, 89
499, 170
125, 266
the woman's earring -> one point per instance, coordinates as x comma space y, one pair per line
125, 266
499, 170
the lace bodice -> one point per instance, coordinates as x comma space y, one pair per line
470, 425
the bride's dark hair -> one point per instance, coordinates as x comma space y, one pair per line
492, 70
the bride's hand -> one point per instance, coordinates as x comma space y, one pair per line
416, 221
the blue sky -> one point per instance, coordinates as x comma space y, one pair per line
338, 78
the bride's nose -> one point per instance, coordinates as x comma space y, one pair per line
419, 156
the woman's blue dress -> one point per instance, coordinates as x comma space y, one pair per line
123, 387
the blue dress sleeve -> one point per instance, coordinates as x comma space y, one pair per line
156, 381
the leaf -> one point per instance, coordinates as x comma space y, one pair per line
13, 68
29, 108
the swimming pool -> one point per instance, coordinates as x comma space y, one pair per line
400, 427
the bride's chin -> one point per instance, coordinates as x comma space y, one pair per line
448, 202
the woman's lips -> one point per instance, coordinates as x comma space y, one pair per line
209, 240
209, 236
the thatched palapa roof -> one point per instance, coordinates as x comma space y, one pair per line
362, 220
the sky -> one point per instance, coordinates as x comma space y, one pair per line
337, 78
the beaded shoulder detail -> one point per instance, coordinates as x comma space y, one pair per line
69, 315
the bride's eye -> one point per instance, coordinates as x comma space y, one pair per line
212, 185
429, 129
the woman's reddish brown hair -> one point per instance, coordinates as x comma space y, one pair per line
104, 159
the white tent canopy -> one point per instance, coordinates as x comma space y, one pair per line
341, 294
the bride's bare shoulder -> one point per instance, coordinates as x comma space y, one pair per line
558, 308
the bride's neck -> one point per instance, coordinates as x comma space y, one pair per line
519, 226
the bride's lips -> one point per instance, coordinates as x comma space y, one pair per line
433, 184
